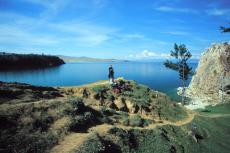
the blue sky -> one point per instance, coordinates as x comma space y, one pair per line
124, 29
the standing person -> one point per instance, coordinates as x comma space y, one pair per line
111, 75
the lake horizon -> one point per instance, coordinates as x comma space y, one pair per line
152, 74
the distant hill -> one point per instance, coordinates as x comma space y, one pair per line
27, 61
86, 59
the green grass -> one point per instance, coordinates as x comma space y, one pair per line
99, 88
81, 116
172, 112
93, 144
22, 135
139, 95
218, 109
216, 132
136, 120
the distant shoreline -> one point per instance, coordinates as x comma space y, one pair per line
11, 61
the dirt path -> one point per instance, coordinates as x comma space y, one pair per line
164, 122
75, 140
71, 141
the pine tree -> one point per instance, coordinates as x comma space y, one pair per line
224, 29
182, 55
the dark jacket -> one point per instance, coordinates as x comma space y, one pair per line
111, 72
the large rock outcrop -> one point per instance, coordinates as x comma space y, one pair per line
211, 82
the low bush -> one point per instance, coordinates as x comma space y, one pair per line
136, 120
76, 106
24, 142
101, 92
125, 140
81, 123
100, 88
43, 122
140, 95
147, 122
125, 121
93, 144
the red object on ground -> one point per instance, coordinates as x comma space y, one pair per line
117, 91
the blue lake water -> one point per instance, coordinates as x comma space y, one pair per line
152, 74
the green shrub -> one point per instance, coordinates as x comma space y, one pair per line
76, 107
43, 122
101, 92
100, 88
93, 144
125, 140
25, 142
173, 112
147, 122
140, 95
136, 120
125, 121
81, 123
111, 97
106, 112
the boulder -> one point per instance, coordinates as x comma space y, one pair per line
212, 75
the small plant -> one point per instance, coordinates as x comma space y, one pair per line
140, 95
82, 122
76, 107
101, 92
111, 98
43, 122
147, 122
125, 120
136, 120
99, 88
93, 144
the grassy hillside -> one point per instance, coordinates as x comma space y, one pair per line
97, 118
212, 137
27, 61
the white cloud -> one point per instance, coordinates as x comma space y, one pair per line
87, 34
218, 12
26, 31
146, 54
133, 36
180, 33
18, 36
173, 9
52, 8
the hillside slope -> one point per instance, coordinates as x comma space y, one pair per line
99, 118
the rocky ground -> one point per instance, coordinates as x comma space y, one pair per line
101, 118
